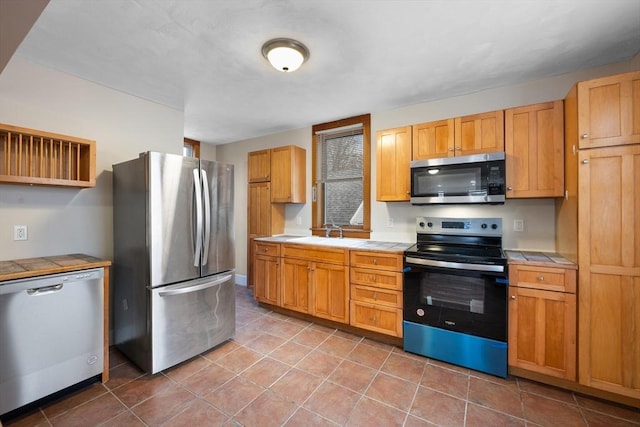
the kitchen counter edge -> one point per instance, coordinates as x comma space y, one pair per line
541, 259
40, 266
367, 245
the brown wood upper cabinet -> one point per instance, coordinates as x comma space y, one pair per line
479, 133
433, 140
259, 167
609, 110
534, 148
474, 134
393, 160
288, 174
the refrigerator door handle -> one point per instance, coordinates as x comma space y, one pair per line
207, 216
193, 288
198, 237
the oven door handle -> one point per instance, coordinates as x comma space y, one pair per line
459, 265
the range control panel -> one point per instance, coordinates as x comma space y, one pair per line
459, 226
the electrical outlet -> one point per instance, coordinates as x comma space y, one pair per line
518, 225
20, 232
299, 220
389, 222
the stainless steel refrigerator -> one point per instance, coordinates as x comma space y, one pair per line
174, 258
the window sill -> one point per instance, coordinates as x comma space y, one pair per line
356, 233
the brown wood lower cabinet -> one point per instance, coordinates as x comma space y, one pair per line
542, 320
359, 288
376, 291
266, 270
295, 284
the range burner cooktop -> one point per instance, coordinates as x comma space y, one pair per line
459, 240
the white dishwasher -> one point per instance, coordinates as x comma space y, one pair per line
51, 334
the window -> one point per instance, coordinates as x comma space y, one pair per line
191, 148
341, 174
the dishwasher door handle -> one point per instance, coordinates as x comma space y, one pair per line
44, 290
194, 288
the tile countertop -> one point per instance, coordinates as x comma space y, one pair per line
542, 259
335, 242
32, 267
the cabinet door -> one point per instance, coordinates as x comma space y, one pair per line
266, 280
330, 292
264, 218
479, 133
542, 331
288, 174
259, 166
534, 147
393, 161
609, 269
433, 140
609, 111
295, 284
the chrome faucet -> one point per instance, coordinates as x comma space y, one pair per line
329, 227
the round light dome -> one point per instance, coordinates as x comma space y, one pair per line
285, 55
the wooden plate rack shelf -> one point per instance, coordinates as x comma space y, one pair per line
29, 156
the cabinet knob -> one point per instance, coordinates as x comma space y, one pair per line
373, 278
541, 278
513, 297
584, 136
375, 261
451, 149
585, 162
459, 148
375, 296
509, 188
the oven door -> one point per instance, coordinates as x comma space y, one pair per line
460, 300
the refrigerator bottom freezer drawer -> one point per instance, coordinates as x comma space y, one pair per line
190, 318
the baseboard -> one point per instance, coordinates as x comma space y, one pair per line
241, 280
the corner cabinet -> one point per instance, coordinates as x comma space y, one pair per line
393, 159
376, 291
534, 150
542, 320
29, 156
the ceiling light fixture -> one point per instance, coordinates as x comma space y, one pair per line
285, 55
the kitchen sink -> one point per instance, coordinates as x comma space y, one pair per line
330, 241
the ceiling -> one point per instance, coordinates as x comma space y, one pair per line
204, 56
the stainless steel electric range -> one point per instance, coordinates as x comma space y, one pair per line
455, 293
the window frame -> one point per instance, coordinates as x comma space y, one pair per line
194, 145
317, 202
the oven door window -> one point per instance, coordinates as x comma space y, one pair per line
473, 303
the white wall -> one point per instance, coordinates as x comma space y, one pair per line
538, 214
69, 220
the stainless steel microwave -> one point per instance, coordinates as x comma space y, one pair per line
478, 178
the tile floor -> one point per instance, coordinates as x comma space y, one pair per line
283, 371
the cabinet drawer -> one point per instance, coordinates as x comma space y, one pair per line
376, 260
552, 279
315, 253
266, 248
376, 278
377, 318
376, 296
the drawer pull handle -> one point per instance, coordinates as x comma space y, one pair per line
541, 278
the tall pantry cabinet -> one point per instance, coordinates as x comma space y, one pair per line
597, 226
275, 176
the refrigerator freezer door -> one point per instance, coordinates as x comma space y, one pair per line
219, 253
190, 318
171, 230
